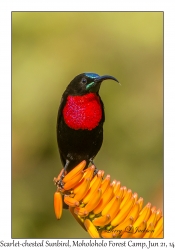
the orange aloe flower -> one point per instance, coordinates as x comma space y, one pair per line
106, 209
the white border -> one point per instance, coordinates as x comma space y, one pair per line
5, 93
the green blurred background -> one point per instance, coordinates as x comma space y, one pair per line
48, 50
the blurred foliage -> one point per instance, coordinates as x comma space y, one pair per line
48, 50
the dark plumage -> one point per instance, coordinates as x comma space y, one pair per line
80, 120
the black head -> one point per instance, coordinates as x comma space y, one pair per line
86, 83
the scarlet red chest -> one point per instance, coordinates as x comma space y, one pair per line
83, 112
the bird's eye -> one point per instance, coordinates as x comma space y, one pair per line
84, 80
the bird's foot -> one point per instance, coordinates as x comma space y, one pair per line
96, 169
60, 184
59, 180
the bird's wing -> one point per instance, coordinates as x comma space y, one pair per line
59, 117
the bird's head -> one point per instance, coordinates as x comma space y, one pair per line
87, 83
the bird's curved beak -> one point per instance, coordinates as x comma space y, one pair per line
105, 77
95, 85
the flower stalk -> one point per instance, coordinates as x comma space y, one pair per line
104, 208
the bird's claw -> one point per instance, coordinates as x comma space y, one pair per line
59, 180
60, 184
96, 169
